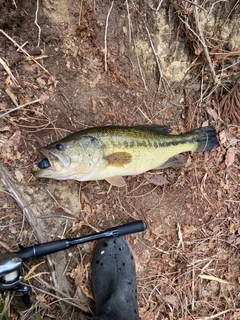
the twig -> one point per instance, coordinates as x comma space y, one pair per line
193, 289
200, 7
231, 66
161, 78
180, 237
80, 13
144, 114
36, 23
215, 315
105, 36
188, 26
129, 22
15, 4
24, 51
13, 190
5, 66
23, 45
65, 298
19, 107
139, 66
215, 79
159, 5
231, 11
69, 213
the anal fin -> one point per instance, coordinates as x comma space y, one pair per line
117, 181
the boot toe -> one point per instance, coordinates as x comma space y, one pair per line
114, 279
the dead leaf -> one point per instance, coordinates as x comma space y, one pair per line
232, 139
9, 148
96, 62
96, 80
205, 123
222, 136
43, 98
188, 230
110, 114
121, 47
171, 299
230, 156
212, 113
12, 96
3, 106
156, 179
198, 51
41, 82
94, 106
99, 209
6, 128
40, 298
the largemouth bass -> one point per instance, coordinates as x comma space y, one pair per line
113, 152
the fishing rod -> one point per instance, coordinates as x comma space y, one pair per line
11, 263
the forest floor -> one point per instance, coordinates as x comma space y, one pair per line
70, 65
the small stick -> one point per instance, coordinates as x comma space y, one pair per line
5, 66
19, 107
180, 237
129, 22
23, 45
80, 13
159, 5
140, 69
188, 26
11, 96
24, 51
193, 289
196, 5
215, 315
36, 23
14, 4
105, 36
215, 79
161, 79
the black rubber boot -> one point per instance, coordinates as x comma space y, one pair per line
114, 281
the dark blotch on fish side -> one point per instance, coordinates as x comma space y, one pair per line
44, 164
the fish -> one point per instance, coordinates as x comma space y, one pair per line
112, 152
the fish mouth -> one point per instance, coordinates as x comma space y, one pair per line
48, 159
53, 161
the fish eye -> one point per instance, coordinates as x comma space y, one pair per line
59, 147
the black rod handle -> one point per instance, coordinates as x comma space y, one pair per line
132, 227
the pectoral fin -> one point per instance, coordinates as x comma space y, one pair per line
119, 159
117, 181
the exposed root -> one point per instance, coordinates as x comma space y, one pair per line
229, 106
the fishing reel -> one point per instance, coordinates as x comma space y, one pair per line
12, 274
11, 264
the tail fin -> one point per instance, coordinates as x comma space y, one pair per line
206, 138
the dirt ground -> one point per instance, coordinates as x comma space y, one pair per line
69, 65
